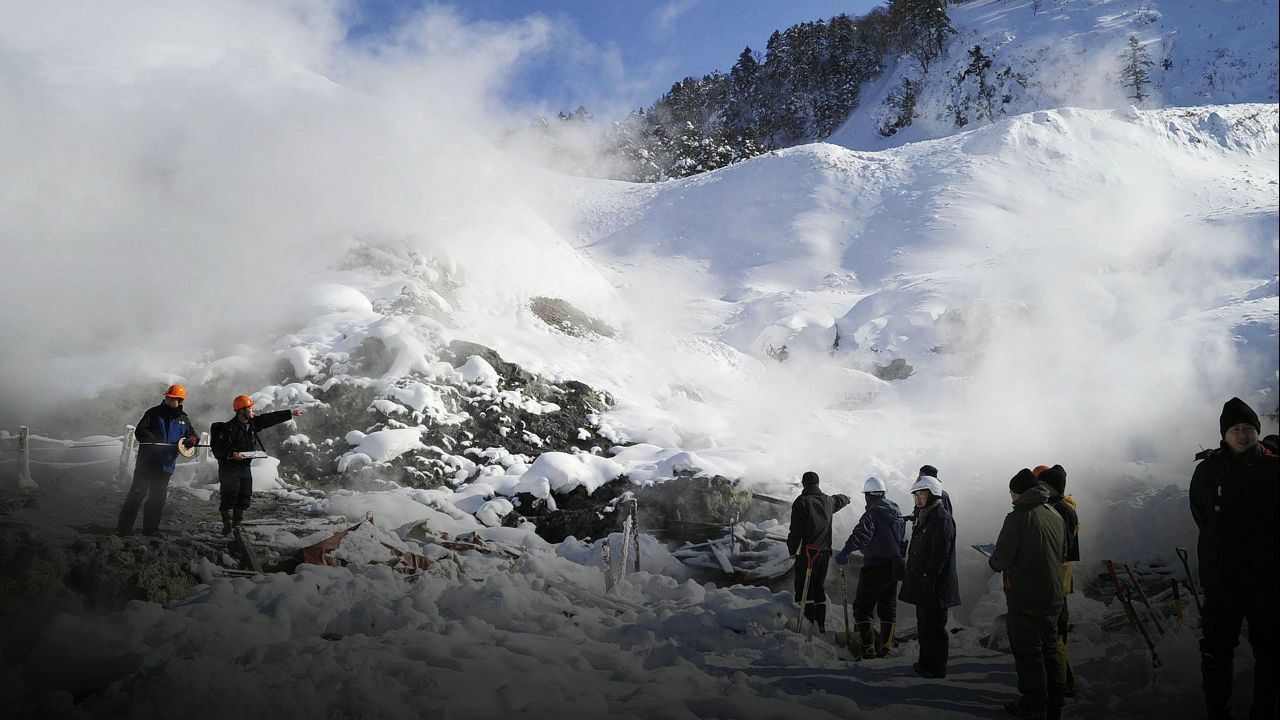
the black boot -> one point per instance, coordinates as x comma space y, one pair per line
226, 522
236, 516
866, 638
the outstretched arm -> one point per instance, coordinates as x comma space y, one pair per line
266, 420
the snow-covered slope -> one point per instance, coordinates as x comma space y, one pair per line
1069, 54
1016, 261
1081, 286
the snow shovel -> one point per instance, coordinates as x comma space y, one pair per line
1177, 599
1142, 595
1126, 601
845, 639
810, 555
1191, 581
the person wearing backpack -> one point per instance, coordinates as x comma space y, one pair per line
232, 443
811, 526
157, 433
1235, 501
1029, 552
879, 535
1056, 479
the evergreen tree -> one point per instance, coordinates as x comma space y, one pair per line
1133, 75
922, 28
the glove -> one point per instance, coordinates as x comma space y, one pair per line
842, 558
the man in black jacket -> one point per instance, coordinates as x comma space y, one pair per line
930, 582
1234, 500
811, 526
234, 443
157, 433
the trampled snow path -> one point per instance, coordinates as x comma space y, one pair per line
483, 635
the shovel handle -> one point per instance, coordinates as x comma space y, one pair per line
811, 553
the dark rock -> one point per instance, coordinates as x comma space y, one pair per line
897, 369
566, 318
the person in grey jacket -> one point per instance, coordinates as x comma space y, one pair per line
811, 526
879, 535
1030, 552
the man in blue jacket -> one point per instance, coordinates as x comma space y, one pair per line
879, 535
930, 582
158, 433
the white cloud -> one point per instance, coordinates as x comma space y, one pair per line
171, 171
671, 11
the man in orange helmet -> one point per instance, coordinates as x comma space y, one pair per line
158, 433
234, 443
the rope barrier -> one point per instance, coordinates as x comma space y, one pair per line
62, 448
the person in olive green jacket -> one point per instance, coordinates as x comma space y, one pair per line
1029, 552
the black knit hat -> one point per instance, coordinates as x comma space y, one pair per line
1056, 478
809, 478
1235, 412
1023, 481
928, 471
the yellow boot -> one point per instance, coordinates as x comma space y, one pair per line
886, 639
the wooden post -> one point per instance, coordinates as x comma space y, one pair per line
24, 458
627, 525
126, 451
606, 554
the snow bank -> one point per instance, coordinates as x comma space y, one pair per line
560, 472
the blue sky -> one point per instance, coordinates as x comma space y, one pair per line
615, 55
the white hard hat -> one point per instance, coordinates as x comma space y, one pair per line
873, 485
928, 483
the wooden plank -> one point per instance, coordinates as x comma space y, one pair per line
250, 560
723, 558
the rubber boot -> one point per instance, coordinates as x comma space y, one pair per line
236, 516
226, 522
886, 639
866, 639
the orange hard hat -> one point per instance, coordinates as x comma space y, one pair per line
176, 391
241, 402
1039, 469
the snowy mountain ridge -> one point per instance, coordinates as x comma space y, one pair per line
1045, 54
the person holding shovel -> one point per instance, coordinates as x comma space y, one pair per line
810, 542
234, 444
879, 535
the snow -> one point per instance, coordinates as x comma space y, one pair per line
477, 370
383, 445
561, 472
1081, 281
